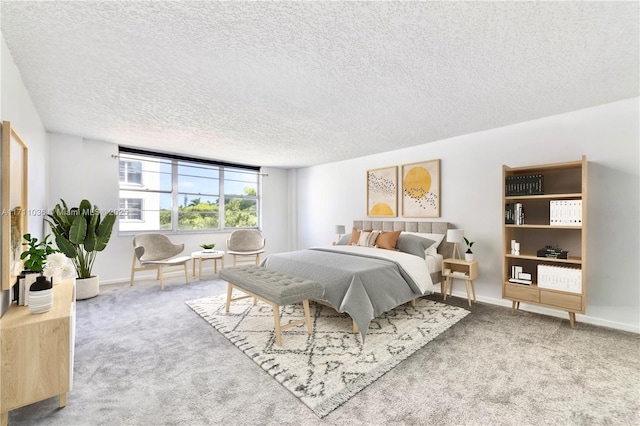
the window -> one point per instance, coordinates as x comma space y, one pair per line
166, 193
131, 172
131, 208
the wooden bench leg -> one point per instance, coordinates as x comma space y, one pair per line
307, 315
276, 319
229, 291
356, 329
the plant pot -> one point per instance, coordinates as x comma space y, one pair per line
86, 288
468, 257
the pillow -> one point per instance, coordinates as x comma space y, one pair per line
368, 239
437, 238
413, 244
344, 240
355, 236
387, 240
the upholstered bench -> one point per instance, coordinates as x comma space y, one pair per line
273, 288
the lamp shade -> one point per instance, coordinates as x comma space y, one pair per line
339, 229
455, 235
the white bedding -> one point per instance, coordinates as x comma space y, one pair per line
419, 269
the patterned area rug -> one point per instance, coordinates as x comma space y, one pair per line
325, 369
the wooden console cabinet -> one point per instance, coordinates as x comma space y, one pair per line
561, 183
37, 352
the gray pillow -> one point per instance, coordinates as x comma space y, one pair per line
413, 244
344, 240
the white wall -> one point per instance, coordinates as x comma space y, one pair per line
17, 108
471, 174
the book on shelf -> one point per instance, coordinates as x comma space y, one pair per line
560, 278
514, 214
565, 212
520, 281
524, 185
518, 276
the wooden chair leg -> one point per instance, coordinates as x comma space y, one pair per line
186, 274
161, 277
133, 268
234, 260
413, 303
257, 258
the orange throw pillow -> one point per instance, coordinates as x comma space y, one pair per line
355, 236
388, 240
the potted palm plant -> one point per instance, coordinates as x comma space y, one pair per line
81, 232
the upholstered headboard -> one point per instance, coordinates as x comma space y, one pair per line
445, 248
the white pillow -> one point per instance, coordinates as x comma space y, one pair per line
433, 249
368, 239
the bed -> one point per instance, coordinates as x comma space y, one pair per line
365, 281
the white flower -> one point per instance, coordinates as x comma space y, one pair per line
58, 265
67, 270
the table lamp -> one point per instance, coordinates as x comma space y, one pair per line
340, 231
455, 236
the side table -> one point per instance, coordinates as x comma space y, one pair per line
462, 270
203, 255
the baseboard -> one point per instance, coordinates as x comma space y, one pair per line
633, 328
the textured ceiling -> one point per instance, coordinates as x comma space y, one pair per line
304, 83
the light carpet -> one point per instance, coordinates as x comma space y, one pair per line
328, 367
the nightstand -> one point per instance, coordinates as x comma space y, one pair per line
462, 270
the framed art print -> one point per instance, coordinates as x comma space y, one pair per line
14, 203
382, 192
421, 189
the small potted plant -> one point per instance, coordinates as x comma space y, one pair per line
36, 253
208, 247
468, 255
38, 293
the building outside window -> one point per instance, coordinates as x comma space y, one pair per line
131, 172
131, 208
163, 193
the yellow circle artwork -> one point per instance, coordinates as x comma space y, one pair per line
417, 183
381, 209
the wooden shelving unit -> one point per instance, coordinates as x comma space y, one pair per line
562, 181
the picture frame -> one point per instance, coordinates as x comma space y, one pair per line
15, 162
382, 192
421, 189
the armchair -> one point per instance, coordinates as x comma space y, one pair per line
156, 251
245, 242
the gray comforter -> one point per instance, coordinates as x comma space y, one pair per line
361, 285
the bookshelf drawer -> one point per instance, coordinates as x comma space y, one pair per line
522, 293
570, 302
